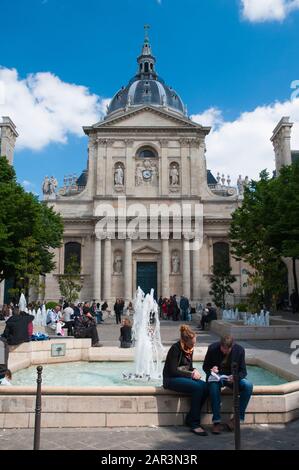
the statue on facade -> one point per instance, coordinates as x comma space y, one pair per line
118, 264
175, 261
49, 187
242, 184
119, 176
53, 183
45, 185
174, 176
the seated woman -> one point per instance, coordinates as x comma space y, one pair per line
180, 375
126, 333
85, 327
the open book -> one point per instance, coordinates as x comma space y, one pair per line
216, 377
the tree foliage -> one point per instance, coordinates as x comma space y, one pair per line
70, 282
221, 281
266, 228
29, 231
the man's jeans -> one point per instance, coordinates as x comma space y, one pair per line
198, 390
245, 389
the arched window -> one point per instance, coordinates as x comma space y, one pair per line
147, 152
72, 251
146, 67
221, 255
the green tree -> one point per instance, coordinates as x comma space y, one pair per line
29, 231
263, 230
284, 228
70, 283
221, 281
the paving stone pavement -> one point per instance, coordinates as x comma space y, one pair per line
261, 437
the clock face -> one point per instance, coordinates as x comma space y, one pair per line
147, 174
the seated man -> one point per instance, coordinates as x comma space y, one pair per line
16, 329
85, 327
211, 315
219, 359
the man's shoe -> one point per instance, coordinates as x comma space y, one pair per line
199, 431
97, 345
216, 428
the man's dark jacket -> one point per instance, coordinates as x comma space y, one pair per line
214, 357
16, 329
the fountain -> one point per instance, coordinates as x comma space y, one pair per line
146, 335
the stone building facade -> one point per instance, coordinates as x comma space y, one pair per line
145, 153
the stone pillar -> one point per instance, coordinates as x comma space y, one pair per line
186, 269
8, 136
107, 269
196, 275
97, 271
128, 269
281, 140
185, 167
165, 267
164, 176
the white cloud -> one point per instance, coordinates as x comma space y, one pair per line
45, 109
243, 146
268, 10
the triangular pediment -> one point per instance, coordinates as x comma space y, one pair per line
147, 116
146, 250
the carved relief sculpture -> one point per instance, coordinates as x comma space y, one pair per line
175, 263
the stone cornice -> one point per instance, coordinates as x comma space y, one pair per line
166, 114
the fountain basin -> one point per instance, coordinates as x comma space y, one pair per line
114, 406
278, 329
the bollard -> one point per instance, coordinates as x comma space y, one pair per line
38, 408
236, 406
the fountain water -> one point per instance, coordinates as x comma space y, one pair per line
146, 335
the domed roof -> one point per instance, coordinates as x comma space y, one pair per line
146, 87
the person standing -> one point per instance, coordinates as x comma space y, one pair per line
68, 315
180, 375
118, 311
219, 359
294, 299
184, 306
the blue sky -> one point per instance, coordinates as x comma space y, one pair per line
231, 63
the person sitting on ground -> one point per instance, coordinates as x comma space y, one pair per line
180, 375
210, 315
7, 378
126, 333
85, 327
219, 359
16, 329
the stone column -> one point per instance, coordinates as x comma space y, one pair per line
196, 274
165, 267
186, 269
107, 269
128, 269
164, 176
185, 166
97, 271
